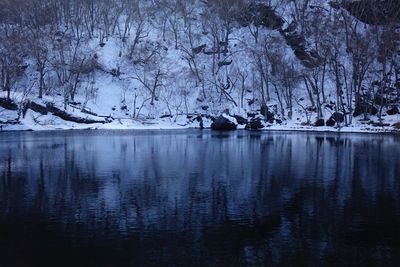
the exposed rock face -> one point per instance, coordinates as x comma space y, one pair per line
223, 124
264, 15
375, 12
309, 58
261, 15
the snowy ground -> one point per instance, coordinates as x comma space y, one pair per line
37, 122
123, 98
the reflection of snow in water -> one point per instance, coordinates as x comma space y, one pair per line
145, 182
161, 172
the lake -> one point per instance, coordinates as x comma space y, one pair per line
199, 198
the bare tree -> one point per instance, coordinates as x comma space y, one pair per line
11, 61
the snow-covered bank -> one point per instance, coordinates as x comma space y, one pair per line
36, 122
167, 126
162, 64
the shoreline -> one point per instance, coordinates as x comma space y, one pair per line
274, 128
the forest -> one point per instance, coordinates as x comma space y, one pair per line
310, 62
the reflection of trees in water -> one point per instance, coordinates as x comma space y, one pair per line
276, 198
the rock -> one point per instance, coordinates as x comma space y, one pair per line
338, 117
331, 122
397, 125
264, 110
261, 15
375, 12
8, 104
205, 107
267, 114
308, 57
251, 115
240, 120
254, 124
270, 117
319, 123
393, 111
223, 124
373, 110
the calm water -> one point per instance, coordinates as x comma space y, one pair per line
199, 198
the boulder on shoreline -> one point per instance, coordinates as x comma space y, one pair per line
222, 123
255, 124
336, 117
319, 123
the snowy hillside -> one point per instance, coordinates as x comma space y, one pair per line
129, 64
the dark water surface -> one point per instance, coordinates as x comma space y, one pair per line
199, 198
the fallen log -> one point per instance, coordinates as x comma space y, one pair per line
68, 117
